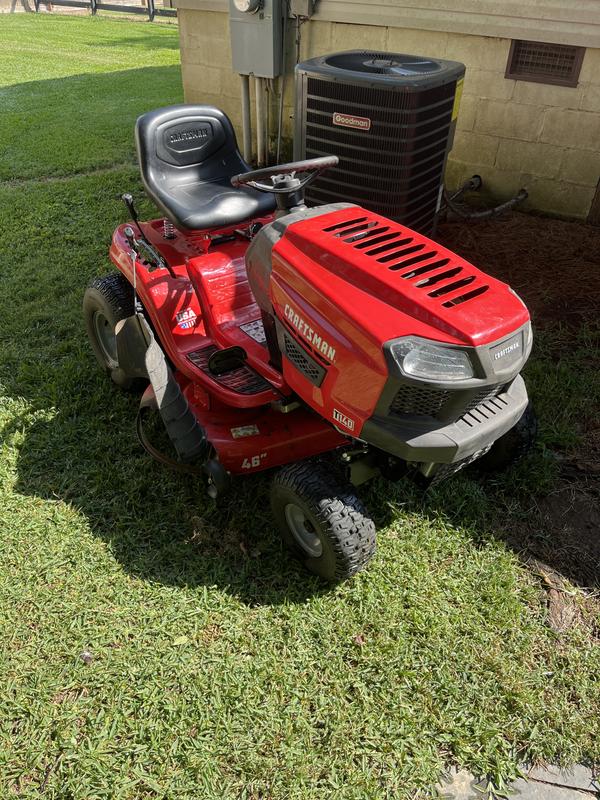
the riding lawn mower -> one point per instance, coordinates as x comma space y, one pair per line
328, 344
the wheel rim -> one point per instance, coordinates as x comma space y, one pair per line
303, 530
107, 341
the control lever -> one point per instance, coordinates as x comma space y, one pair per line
127, 198
142, 246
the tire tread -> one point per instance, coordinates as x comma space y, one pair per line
117, 291
351, 532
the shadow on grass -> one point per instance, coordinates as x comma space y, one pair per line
151, 40
79, 123
162, 527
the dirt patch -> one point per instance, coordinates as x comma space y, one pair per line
561, 544
562, 534
554, 265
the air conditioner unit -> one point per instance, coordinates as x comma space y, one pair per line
390, 118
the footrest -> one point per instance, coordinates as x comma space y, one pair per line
243, 380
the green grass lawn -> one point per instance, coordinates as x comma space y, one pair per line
219, 668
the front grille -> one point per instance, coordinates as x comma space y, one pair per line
482, 411
303, 362
485, 394
413, 400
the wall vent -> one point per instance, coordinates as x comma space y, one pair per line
542, 62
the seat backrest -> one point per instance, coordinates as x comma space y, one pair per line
186, 143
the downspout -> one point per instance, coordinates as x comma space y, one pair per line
246, 122
260, 121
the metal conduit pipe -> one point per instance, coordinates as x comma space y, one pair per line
487, 213
260, 122
246, 122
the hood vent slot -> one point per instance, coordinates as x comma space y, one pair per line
345, 224
451, 287
373, 230
405, 252
407, 262
464, 297
389, 246
378, 240
414, 273
363, 227
441, 276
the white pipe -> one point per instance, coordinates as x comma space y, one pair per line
246, 123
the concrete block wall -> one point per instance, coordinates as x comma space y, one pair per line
513, 133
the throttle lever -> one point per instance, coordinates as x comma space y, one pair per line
127, 198
142, 242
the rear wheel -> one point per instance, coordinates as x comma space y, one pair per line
106, 302
322, 521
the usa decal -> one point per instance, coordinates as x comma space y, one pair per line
186, 319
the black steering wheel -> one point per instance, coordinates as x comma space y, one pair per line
314, 166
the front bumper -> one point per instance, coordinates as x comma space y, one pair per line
423, 439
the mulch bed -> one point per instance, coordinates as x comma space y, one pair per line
554, 265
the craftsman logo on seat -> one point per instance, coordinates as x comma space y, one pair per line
319, 344
188, 135
350, 121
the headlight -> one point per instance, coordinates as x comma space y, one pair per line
425, 359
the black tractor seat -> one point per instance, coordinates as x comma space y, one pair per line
187, 155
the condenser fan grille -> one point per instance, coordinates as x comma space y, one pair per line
383, 64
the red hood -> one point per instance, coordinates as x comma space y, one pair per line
407, 272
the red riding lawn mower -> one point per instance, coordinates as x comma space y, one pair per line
328, 342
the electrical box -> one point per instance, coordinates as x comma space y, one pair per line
256, 37
302, 8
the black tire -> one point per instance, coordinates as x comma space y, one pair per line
106, 301
342, 535
513, 446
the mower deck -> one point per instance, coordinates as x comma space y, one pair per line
209, 306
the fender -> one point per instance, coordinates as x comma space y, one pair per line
133, 336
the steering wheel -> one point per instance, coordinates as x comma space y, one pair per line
314, 166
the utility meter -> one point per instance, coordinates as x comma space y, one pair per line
249, 6
256, 30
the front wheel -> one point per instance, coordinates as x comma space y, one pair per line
513, 446
322, 521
